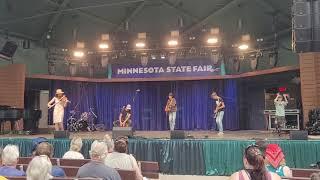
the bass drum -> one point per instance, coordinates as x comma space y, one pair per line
83, 125
72, 125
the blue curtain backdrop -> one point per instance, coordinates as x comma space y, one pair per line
195, 107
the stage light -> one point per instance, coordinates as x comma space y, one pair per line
78, 53
140, 45
104, 42
144, 60
173, 43
243, 47
162, 56
104, 45
173, 40
153, 56
212, 40
213, 37
141, 41
244, 44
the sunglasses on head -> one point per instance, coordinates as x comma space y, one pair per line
257, 152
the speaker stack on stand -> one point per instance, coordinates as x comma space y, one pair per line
306, 26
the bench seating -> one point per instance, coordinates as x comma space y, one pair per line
149, 169
297, 172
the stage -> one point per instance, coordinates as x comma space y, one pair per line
202, 153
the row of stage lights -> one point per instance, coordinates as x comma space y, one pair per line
213, 40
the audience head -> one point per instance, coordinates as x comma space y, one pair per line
315, 176
37, 141
44, 148
109, 141
99, 150
10, 155
253, 161
274, 155
262, 145
121, 145
76, 144
39, 168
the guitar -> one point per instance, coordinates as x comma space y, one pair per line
168, 106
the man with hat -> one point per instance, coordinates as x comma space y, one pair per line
124, 117
171, 110
59, 102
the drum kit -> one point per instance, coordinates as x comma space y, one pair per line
84, 123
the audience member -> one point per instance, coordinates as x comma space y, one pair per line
10, 156
45, 148
275, 161
96, 168
254, 167
121, 160
36, 142
39, 168
109, 141
315, 176
3, 178
75, 148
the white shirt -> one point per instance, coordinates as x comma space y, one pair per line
72, 155
123, 161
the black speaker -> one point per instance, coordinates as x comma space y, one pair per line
177, 134
302, 26
316, 26
9, 49
122, 131
61, 134
299, 135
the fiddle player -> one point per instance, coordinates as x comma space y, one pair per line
59, 102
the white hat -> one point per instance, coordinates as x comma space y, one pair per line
128, 107
59, 91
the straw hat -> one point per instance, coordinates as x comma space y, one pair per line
128, 107
59, 91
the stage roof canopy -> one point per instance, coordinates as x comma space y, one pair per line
35, 19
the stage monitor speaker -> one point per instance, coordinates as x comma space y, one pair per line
177, 134
122, 131
299, 135
8, 49
302, 26
61, 134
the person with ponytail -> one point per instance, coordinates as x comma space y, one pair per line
254, 166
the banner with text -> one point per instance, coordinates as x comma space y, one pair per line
154, 70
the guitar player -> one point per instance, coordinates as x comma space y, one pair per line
171, 110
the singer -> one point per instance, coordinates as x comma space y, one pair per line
219, 111
59, 102
171, 110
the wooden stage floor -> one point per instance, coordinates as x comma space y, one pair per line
228, 135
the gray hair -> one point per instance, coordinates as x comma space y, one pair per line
76, 144
109, 141
99, 150
39, 168
10, 155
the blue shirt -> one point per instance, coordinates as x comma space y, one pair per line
278, 171
57, 172
10, 171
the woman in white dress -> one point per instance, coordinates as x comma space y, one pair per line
59, 102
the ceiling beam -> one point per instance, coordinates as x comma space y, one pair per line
17, 35
203, 21
56, 16
87, 14
184, 12
283, 16
134, 13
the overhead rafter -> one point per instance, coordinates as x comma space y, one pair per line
131, 15
184, 12
18, 35
56, 16
203, 21
284, 17
87, 14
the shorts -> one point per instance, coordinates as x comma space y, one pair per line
281, 121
